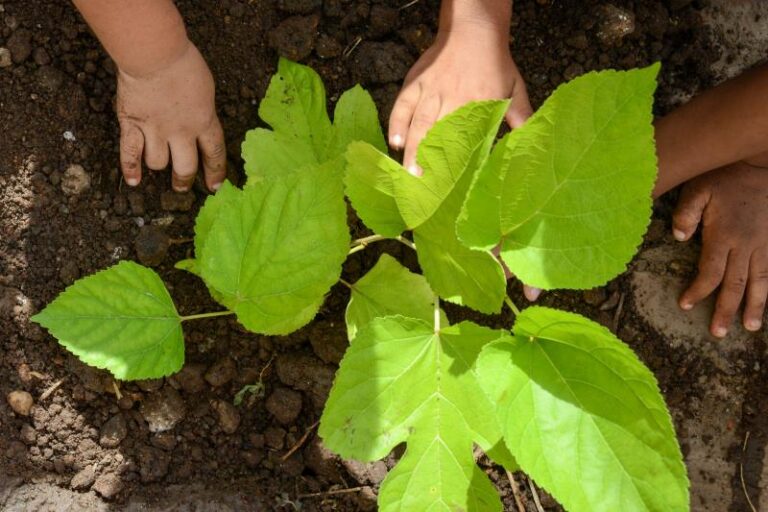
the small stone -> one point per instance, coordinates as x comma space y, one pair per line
108, 486
113, 432
221, 372
28, 434
152, 246
190, 378
75, 180
163, 410
616, 24
285, 405
21, 402
229, 418
172, 201
20, 45
5, 58
84, 479
294, 37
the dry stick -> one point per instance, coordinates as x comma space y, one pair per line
515, 492
118, 394
330, 493
349, 51
741, 474
409, 4
300, 442
48, 392
535, 494
617, 316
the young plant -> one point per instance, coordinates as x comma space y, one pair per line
565, 198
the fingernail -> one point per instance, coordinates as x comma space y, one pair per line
687, 306
132, 182
397, 141
720, 332
216, 186
753, 324
180, 189
532, 294
413, 170
679, 235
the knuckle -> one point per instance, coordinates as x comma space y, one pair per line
130, 165
215, 153
735, 284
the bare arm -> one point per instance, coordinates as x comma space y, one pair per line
723, 125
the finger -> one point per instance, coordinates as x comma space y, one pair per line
731, 293
520, 108
184, 154
690, 208
424, 118
757, 290
402, 113
156, 154
131, 149
712, 264
214, 156
531, 293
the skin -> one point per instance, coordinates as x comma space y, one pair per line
165, 91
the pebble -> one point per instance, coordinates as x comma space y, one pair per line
84, 479
294, 38
108, 486
229, 418
172, 201
617, 23
221, 372
20, 45
21, 402
5, 58
285, 405
163, 410
75, 180
113, 432
152, 246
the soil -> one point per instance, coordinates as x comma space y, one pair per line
179, 442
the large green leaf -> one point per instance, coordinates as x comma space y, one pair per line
400, 381
302, 134
573, 189
389, 289
121, 319
583, 416
276, 248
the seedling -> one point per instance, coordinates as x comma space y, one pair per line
566, 198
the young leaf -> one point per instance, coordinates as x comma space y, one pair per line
389, 289
583, 416
275, 251
302, 134
402, 382
121, 319
574, 183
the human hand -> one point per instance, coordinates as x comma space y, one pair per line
731, 203
469, 62
166, 116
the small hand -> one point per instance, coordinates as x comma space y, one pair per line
166, 116
470, 62
731, 203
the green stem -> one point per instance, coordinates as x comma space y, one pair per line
346, 283
406, 242
361, 243
511, 305
206, 315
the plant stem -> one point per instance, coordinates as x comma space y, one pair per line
406, 242
511, 305
437, 314
346, 283
206, 315
361, 243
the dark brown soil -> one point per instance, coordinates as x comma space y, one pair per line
62, 82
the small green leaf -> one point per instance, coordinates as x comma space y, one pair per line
402, 382
389, 289
275, 251
355, 119
573, 189
583, 416
121, 319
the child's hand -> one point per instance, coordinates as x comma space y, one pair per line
732, 205
166, 116
471, 61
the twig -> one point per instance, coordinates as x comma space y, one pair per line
535, 494
409, 4
48, 392
300, 442
617, 315
330, 493
515, 492
741, 474
118, 394
349, 50
406, 242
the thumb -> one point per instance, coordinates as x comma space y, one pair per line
520, 108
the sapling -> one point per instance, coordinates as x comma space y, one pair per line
565, 198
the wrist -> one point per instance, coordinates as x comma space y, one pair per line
487, 19
156, 62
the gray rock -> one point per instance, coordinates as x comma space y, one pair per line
113, 432
163, 410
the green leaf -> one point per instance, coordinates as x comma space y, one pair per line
121, 319
275, 251
583, 416
575, 183
355, 119
402, 382
389, 289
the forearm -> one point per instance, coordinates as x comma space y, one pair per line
491, 15
141, 36
721, 126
